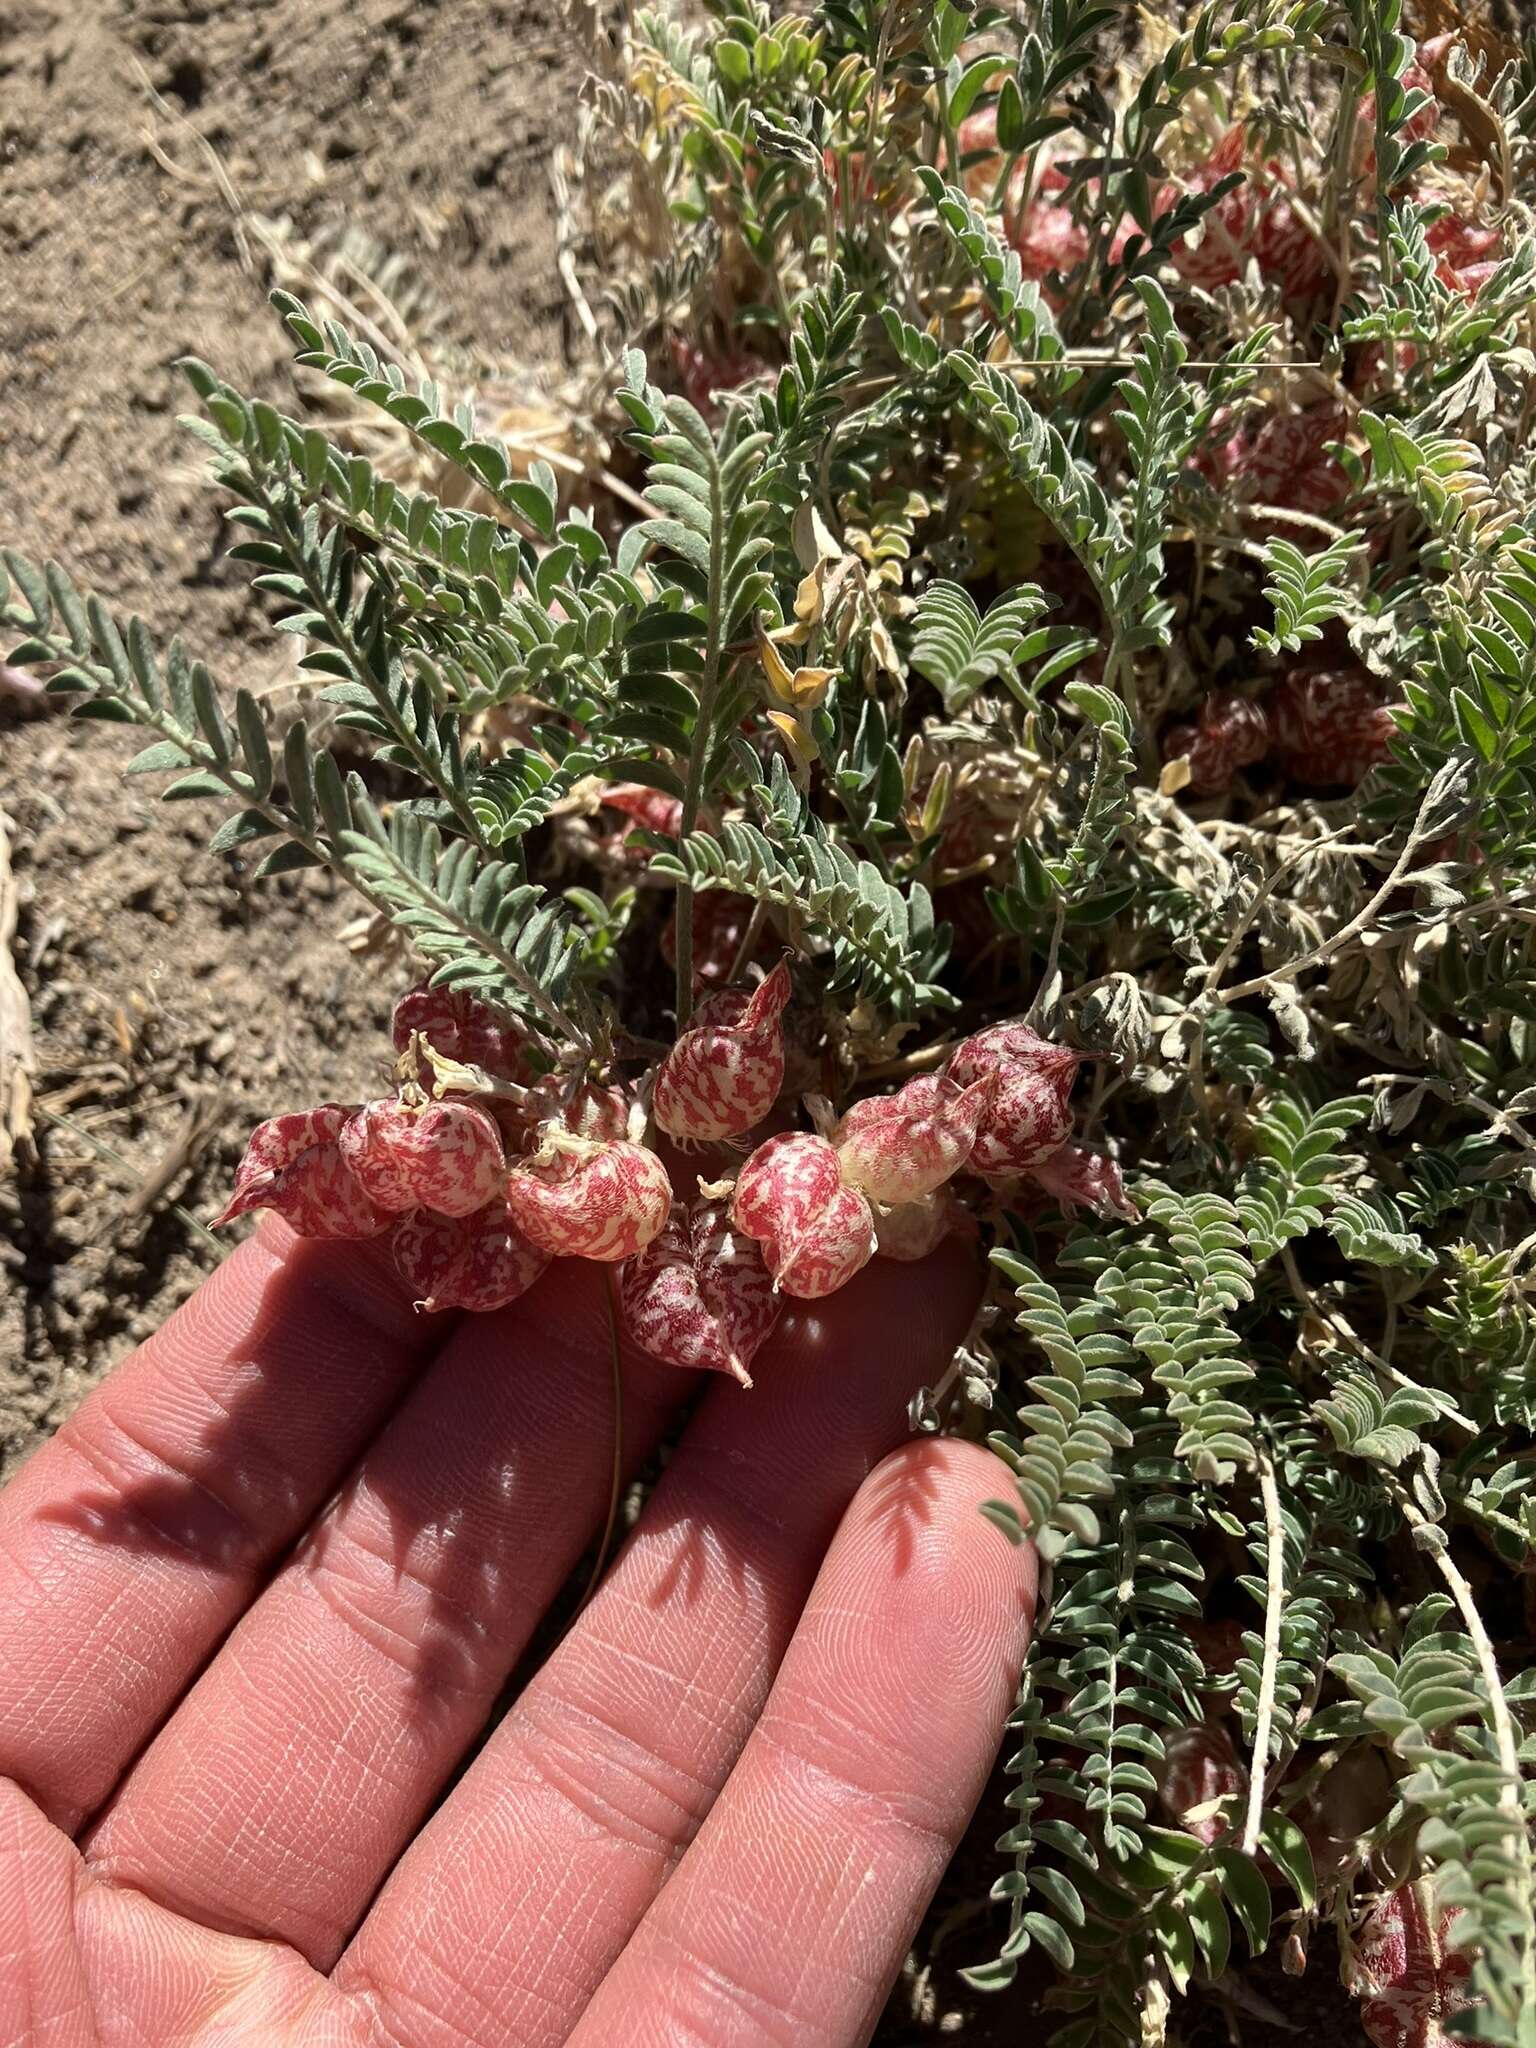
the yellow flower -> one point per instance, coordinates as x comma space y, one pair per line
793, 694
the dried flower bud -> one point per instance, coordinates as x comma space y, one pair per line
724, 1075
1413, 1980
911, 1230
1199, 1767
462, 1028
815, 1233
699, 1295
589, 1198
1076, 1175
480, 1261
1282, 458
293, 1164
898, 1147
443, 1156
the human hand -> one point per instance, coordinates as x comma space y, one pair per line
260, 1596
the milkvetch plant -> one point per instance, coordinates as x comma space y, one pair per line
1026, 733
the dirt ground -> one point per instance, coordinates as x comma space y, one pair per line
171, 1010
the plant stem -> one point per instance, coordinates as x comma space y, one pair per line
703, 739
1274, 1603
1430, 1537
1331, 946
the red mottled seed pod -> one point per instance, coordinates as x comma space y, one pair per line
1331, 726
1077, 1176
898, 1147
837, 1242
1255, 222
724, 1075
462, 1028
1466, 256
1199, 1765
1231, 732
443, 1156
480, 1262
1413, 1982
1027, 1117
1026, 1121
815, 1233
293, 1164
590, 1199
651, 808
784, 1183
699, 1295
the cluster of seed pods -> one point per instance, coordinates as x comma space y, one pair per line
1324, 727
482, 1173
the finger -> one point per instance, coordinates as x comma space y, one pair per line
504, 1915
283, 1789
130, 1543
790, 1915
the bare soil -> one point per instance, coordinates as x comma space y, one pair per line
172, 1009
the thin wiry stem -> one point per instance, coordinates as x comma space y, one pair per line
1431, 1538
1274, 1605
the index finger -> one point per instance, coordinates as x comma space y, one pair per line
135, 1539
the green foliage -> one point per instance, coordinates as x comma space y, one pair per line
1431, 1704
881, 939
952, 435
1306, 592
959, 651
1287, 1189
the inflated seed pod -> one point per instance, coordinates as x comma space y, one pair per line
293, 1164
724, 1075
1199, 1765
1331, 726
898, 1147
1027, 1117
603, 1199
815, 1232
699, 1295
1231, 732
1004, 1046
1026, 1121
443, 1156
786, 1180
481, 1261
462, 1028
1077, 1176
1413, 1977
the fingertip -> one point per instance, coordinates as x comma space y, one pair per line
918, 1555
